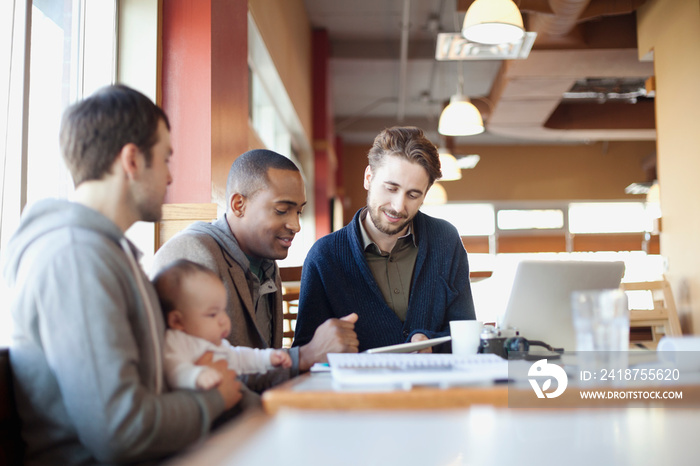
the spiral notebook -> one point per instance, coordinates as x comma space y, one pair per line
407, 370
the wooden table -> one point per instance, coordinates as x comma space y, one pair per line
315, 391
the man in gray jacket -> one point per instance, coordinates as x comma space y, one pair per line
88, 333
266, 196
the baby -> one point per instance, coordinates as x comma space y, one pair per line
193, 300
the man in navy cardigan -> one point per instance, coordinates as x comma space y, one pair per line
404, 274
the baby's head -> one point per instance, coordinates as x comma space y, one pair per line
193, 300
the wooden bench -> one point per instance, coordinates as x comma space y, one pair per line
11, 446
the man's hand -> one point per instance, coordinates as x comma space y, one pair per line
333, 336
229, 387
421, 337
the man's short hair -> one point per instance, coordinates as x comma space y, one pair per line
168, 283
409, 143
248, 172
94, 130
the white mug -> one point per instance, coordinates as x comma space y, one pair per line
465, 336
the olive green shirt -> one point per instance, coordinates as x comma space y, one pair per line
393, 270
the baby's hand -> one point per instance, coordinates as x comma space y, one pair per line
281, 359
208, 378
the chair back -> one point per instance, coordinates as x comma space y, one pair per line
661, 320
291, 284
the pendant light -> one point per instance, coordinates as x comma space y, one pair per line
493, 22
436, 195
460, 117
448, 166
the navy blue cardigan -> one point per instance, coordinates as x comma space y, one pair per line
337, 281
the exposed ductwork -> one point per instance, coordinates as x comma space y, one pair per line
527, 95
562, 16
566, 15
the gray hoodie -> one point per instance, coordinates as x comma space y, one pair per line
82, 353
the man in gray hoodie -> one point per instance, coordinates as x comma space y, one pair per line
88, 333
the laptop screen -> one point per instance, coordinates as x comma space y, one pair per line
540, 300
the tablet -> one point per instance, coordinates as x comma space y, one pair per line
409, 347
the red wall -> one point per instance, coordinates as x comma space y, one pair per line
186, 90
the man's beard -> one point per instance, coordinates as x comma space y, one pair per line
377, 219
152, 212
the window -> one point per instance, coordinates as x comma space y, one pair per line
266, 120
545, 227
73, 45
72, 55
469, 219
608, 217
278, 127
529, 219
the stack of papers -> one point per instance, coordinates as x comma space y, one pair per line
407, 370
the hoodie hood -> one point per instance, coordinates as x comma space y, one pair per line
221, 232
48, 216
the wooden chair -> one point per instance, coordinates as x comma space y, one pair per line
291, 283
661, 320
11, 445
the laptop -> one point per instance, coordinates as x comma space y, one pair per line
539, 306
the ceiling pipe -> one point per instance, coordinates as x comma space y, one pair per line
600, 8
566, 16
403, 61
